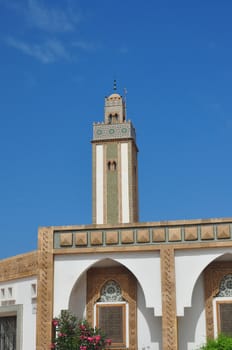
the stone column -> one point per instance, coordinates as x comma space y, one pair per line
169, 321
45, 290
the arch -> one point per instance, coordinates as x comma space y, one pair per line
97, 279
69, 268
214, 275
116, 271
110, 118
114, 165
111, 165
195, 261
116, 117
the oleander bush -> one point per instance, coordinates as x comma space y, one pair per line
70, 333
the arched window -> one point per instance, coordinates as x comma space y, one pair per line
112, 304
114, 118
225, 289
114, 165
111, 313
111, 165
223, 305
111, 292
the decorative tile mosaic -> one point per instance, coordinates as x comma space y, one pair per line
113, 131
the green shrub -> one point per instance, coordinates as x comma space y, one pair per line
73, 334
223, 342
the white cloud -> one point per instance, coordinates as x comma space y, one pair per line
48, 30
48, 52
42, 15
51, 19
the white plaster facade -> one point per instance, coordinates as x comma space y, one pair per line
99, 185
125, 183
21, 293
70, 291
70, 288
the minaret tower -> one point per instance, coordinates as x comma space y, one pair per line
115, 173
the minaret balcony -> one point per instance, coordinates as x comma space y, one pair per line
102, 131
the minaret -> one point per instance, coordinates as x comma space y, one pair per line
115, 172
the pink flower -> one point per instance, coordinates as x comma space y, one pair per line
52, 346
83, 347
61, 334
91, 339
55, 322
82, 327
108, 341
97, 338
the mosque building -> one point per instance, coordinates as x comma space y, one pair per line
149, 285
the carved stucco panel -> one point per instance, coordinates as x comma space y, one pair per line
213, 275
97, 277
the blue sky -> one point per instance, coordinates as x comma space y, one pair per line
58, 62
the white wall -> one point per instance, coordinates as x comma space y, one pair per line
22, 294
70, 289
149, 327
145, 267
77, 301
125, 183
189, 267
191, 326
189, 264
99, 185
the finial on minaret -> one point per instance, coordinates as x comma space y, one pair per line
115, 85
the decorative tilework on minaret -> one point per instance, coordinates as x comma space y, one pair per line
115, 179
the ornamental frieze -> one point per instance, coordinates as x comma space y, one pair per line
104, 131
142, 236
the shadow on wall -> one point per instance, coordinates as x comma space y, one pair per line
191, 327
77, 301
149, 326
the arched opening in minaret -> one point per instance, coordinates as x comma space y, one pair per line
111, 165
110, 119
115, 118
114, 165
